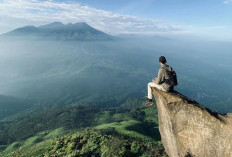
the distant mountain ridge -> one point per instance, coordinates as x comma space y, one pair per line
59, 31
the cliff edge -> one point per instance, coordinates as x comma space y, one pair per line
190, 130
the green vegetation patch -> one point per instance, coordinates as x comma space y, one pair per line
32, 140
121, 116
119, 139
151, 114
111, 116
13, 146
103, 116
40, 149
123, 128
33, 146
104, 143
57, 132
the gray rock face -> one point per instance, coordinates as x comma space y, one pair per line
189, 129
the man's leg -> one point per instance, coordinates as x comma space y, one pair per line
149, 92
149, 88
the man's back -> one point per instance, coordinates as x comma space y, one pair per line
165, 77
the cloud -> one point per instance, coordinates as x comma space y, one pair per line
227, 1
37, 12
213, 32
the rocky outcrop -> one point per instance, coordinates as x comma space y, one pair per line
190, 130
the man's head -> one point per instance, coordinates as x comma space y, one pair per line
162, 60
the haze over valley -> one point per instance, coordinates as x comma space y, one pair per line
62, 72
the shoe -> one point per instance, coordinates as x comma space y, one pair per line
148, 104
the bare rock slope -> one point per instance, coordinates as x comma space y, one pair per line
190, 130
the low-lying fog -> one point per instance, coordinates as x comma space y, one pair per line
62, 73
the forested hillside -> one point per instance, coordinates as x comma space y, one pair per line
127, 130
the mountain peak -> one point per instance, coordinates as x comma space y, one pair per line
52, 25
59, 31
79, 24
189, 129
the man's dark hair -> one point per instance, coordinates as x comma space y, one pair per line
162, 59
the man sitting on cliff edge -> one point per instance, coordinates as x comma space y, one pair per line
165, 81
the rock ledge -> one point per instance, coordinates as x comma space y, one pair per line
190, 130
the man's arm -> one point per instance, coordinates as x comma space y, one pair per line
159, 78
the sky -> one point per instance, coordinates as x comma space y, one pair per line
210, 19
